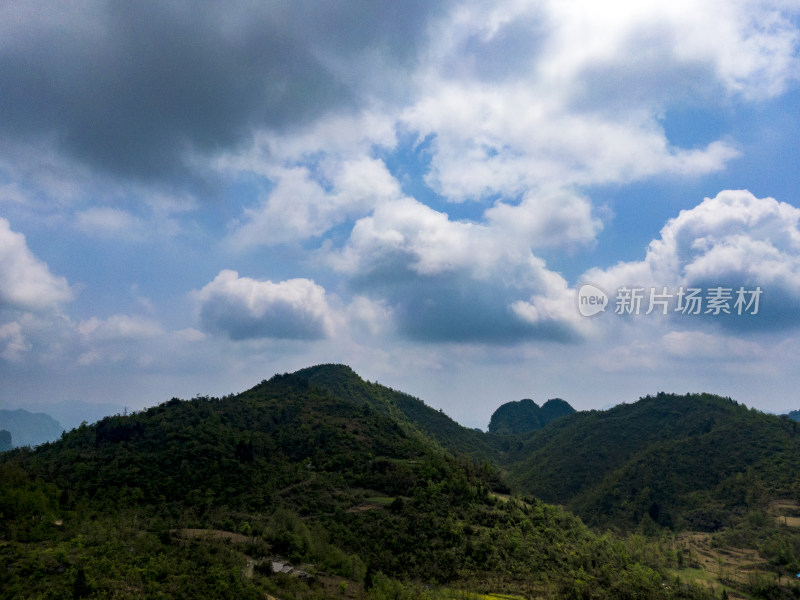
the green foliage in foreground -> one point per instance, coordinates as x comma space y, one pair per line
190, 498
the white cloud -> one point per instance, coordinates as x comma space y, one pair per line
525, 105
10, 193
13, 345
579, 102
547, 219
90, 357
698, 345
520, 108
731, 240
371, 316
25, 281
582, 98
749, 47
733, 236
300, 206
190, 335
422, 239
245, 308
511, 140
455, 281
118, 328
105, 221
635, 356
346, 136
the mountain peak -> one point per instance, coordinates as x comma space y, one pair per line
328, 370
525, 415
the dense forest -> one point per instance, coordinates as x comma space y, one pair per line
319, 484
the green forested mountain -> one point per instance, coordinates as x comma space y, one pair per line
553, 409
685, 462
338, 478
525, 415
410, 412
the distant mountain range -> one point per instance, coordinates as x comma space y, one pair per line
6, 442
45, 423
71, 413
29, 429
794, 415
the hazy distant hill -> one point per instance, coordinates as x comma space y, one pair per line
6, 442
347, 482
72, 413
525, 415
694, 461
794, 415
30, 429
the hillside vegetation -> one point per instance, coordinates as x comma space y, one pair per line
319, 473
685, 462
412, 413
722, 478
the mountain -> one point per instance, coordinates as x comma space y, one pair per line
413, 413
318, 473
5, 440
30, 429
553, 409
794, 415
525, 415
72, 413
696, 462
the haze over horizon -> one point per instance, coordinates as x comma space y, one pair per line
194, 200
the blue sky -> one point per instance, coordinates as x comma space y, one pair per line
193, 200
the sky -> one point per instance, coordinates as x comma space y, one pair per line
471, 201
